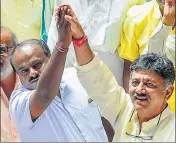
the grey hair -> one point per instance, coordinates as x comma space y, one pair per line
156, 62
14, 37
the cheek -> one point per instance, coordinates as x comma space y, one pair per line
24, 80
131, 90
155, 95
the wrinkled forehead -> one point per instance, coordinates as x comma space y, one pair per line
25, 53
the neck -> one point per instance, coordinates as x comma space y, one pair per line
8, 84
146, 116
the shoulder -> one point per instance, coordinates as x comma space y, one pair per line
20, 94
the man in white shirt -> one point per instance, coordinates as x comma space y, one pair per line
144, 117
49, 107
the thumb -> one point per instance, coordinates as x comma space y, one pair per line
70, 19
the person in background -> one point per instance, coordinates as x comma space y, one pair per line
142, 116
153, 20
9, 81
140, 23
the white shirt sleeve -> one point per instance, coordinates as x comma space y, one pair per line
19, 108
101, 86
158, 39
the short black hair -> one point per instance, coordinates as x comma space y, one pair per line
39, 42
14, 37
156, 62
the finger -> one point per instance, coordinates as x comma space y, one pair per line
71, 12
71, 20
58, 17
57, 11
62, 14
65, 22
64, 11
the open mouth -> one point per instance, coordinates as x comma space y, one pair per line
141, 97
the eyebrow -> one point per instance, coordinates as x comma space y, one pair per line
21, 68
36, 61
146, 80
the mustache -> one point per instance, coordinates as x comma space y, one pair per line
136, 95
34, 78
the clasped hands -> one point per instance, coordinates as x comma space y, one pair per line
68, 27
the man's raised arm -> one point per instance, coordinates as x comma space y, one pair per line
50, 78
94, 75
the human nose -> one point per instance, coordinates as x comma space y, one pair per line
33, 72
140, 88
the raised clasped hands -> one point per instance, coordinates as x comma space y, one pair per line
70, 17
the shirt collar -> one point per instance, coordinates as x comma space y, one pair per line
149, 128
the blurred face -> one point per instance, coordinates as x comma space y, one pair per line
148, 92
29, 62
6, 47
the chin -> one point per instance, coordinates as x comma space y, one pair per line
139, 107
31, 86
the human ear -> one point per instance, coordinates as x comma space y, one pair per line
169, 91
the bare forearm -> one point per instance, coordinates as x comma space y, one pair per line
83, 54
49, 82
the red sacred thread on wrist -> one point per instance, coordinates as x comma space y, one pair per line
79, 42
60, 48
